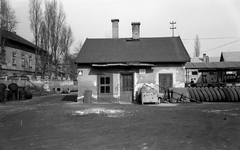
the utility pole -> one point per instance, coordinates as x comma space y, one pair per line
172, 28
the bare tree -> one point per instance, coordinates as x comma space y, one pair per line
77, 49
8, 19
66, 42
196, 47
35, 17
8, 22
54, 21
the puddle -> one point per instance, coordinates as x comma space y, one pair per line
100, 112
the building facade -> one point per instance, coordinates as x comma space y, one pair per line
18, 56
116, 69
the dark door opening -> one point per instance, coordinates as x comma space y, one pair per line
165, 81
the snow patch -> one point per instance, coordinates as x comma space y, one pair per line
101, 112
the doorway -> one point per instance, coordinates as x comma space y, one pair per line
126, 88
165, 81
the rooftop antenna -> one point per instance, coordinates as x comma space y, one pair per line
172, 28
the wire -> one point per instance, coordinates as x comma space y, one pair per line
222, 45
218, 38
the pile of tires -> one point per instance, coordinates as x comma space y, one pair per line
215, 94
64, 89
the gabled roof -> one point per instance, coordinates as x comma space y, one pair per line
165, 49
14, 37
230, 56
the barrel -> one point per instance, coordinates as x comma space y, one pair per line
14, 96
22, 94
2, 96
87, 96
29, 95
13, 87
8, 95
2, 86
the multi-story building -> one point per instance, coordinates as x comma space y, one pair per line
18, 56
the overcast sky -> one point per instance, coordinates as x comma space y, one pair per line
216, 22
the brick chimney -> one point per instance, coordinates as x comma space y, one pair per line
135, 30
115, 28
205, 58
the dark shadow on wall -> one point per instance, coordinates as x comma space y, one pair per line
70, 98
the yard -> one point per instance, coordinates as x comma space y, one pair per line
56, 122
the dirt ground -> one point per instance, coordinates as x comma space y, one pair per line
58, 123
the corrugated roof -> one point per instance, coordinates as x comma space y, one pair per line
166, 49
213, 65
230, 56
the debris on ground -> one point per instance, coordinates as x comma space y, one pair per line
38, 91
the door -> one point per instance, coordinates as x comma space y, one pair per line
126, 87
105, 90
165, 81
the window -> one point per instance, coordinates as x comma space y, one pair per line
14, 59
142, 71
105, 84
30, 61
23, 60
212, 73
194, 73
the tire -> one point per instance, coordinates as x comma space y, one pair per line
215, 98
200, 94
234, 94
238, 93
209, 94
231, 94
59, 90
192, 96
205, 95
196, 94
227, 95
222, 94
218, 94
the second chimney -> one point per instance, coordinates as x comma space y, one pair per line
136, 30
115, 28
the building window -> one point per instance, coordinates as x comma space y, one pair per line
23, 60
30, 61
212, 73
194, 73
14, 59
105, 84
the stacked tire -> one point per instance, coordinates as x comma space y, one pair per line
215, 94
